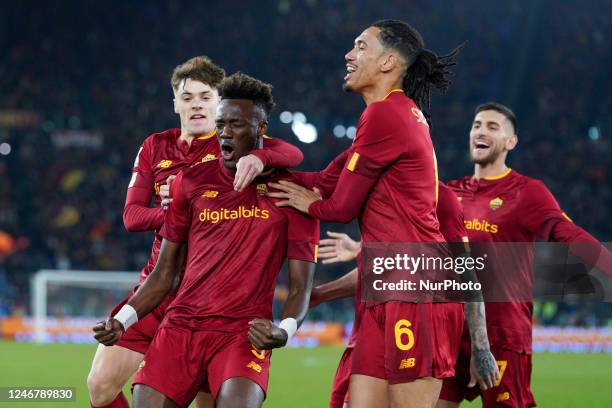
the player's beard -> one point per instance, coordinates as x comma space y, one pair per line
346, 87
488, 159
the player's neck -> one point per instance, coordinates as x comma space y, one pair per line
380, 91
494, 169
186, 137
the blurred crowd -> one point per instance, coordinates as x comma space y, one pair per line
94, 78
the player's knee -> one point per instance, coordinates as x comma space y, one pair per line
102, 388
239, 392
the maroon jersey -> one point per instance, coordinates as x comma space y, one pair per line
513, 208
164, 154
237, 242
450, 216
390, 176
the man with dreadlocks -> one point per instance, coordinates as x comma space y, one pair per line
218, 329
389, 180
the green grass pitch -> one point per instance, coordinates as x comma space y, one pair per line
302, 377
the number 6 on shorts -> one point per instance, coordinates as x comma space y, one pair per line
402, 327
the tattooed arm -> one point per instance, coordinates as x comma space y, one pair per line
483, 367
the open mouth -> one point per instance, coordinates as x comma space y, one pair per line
481, 146
197, 117
227, 152
350, 68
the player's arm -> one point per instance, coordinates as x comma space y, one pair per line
483, 368
137, 216
542, 216
275, 153
341, 288
327, 179
264, 334
150, 294
161, 280
377, 145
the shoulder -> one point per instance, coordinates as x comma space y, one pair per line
162, 137
457, 184
200, 173
448, 202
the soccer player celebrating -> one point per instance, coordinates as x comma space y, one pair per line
218, 329
341, 248
160, 158
501, 205
390, 183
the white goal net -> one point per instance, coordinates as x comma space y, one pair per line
65, 303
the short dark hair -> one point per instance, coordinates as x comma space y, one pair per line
198, 69
424, 68
242, 86
503, 109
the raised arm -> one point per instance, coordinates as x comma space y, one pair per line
543, 216
341, 288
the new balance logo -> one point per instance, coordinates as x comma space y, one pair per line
164, 164
503, 396
254, 366
210, 194
407, 363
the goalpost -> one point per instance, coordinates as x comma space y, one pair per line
39, 284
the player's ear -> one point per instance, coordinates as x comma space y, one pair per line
389, 61
262, 127
511, 142
175, 107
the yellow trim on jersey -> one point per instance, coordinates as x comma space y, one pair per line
353, 162
266, 136
566, 216
316, 252
501, 176
393, 91
436, 174
208, 135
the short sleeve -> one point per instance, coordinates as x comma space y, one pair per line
178, 217
302, 233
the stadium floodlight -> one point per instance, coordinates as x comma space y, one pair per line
305, 132
351, 132
339, 131
286, 117
95, 280
299, 117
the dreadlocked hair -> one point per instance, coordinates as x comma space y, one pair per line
424, 67
242, 86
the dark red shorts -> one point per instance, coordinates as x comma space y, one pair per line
513, 390
340, 386
140, 335
401, 342
180, 361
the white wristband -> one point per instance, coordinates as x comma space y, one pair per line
126, 316
289, 325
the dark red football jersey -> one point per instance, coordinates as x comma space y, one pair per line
237, 242
450, 217
395, 191
513, 208
164, 154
